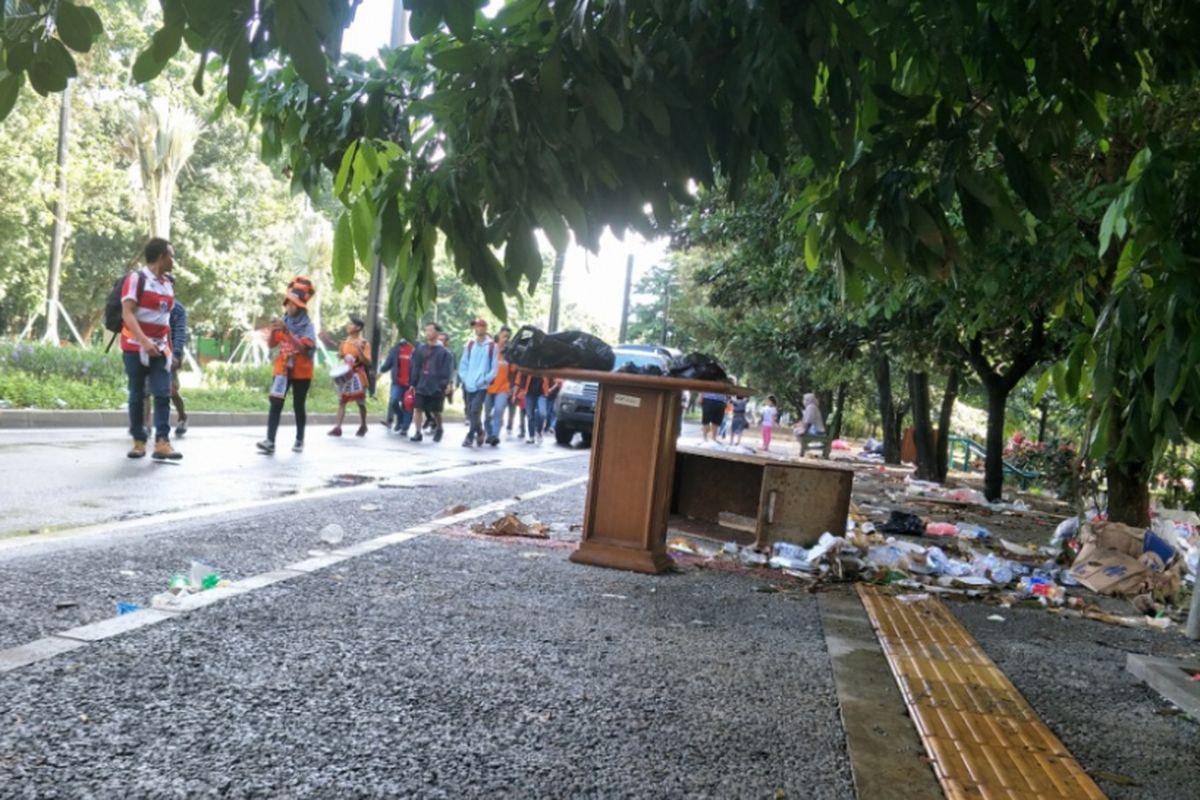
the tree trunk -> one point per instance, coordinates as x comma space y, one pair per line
887, 410
839, 405
918, 392
947, 412
1042, 421
993, 468
1129, 494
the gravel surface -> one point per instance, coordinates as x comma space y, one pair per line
1073, 673
91, 575
448, 666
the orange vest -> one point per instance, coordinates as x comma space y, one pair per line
291, 347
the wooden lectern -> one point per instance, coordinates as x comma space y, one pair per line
633, 464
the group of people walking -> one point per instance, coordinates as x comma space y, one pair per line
423, 376
725, 417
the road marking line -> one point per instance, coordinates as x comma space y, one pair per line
982, 736
75, 638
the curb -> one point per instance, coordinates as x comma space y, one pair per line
27, 418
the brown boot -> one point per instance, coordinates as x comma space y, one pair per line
164, 452
138, 450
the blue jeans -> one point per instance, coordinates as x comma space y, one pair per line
160, 387
498, 402
396, 411
535, 409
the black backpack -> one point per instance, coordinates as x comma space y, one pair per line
113, 320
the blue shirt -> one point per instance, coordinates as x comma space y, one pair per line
477, 367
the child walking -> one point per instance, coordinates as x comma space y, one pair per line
769, 414
296, 338
356, 352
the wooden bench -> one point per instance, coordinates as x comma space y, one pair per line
809, 441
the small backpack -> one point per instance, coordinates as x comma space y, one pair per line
113, 320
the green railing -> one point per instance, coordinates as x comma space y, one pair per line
970, 447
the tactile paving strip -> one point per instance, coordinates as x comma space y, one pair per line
983, 738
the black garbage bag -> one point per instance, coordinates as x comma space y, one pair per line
535, 349
697, 366
903, 522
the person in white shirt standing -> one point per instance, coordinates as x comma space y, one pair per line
147, 298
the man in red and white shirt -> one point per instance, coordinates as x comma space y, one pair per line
147, 298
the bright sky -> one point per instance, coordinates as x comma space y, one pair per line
593, 282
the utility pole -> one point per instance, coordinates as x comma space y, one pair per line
60, 221
375, 293
625, 304
555, 289
666, 309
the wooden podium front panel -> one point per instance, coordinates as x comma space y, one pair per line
629, 490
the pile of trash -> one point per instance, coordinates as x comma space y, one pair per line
200, 577
1149, 567
965, 496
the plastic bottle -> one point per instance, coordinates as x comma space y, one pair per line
941, 564
967, 530
332, 534
199, 574
997, 570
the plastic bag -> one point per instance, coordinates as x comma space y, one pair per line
903, 522
534, 349
697, 366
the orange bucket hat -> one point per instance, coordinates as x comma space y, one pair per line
299, 291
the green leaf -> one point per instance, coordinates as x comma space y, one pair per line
812, 246
343, 173
1043, 383
551, 223
10, 89
362, 221
606, 102
460, 18
61, 57
47, 77
343, 253
74, 27
146, 68
392, 233
18, 55
424, 20
515, 13
459, 59
1023, 177
165, 42
298, 38
1106, 226
238, 60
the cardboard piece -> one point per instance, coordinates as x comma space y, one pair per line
1109, 571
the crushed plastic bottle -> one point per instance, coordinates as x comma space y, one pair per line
332, 534
786, 555
967, 530
887, 555
201, 576
996, 569
1066, 530
942, 564
124, 608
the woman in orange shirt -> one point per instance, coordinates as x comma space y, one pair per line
499, 389
356, 353
296, 339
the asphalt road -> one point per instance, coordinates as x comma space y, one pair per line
57, 479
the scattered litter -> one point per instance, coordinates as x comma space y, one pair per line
614, 596
200, 578
456, 508
903, 523
128, 573
332, 534
63, 605
512, 525
370, 507
912, 598
995, 618
127, 608
941, 529
532, 554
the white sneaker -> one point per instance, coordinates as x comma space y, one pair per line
529, 440
298, 447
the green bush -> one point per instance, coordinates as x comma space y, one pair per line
67, 363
